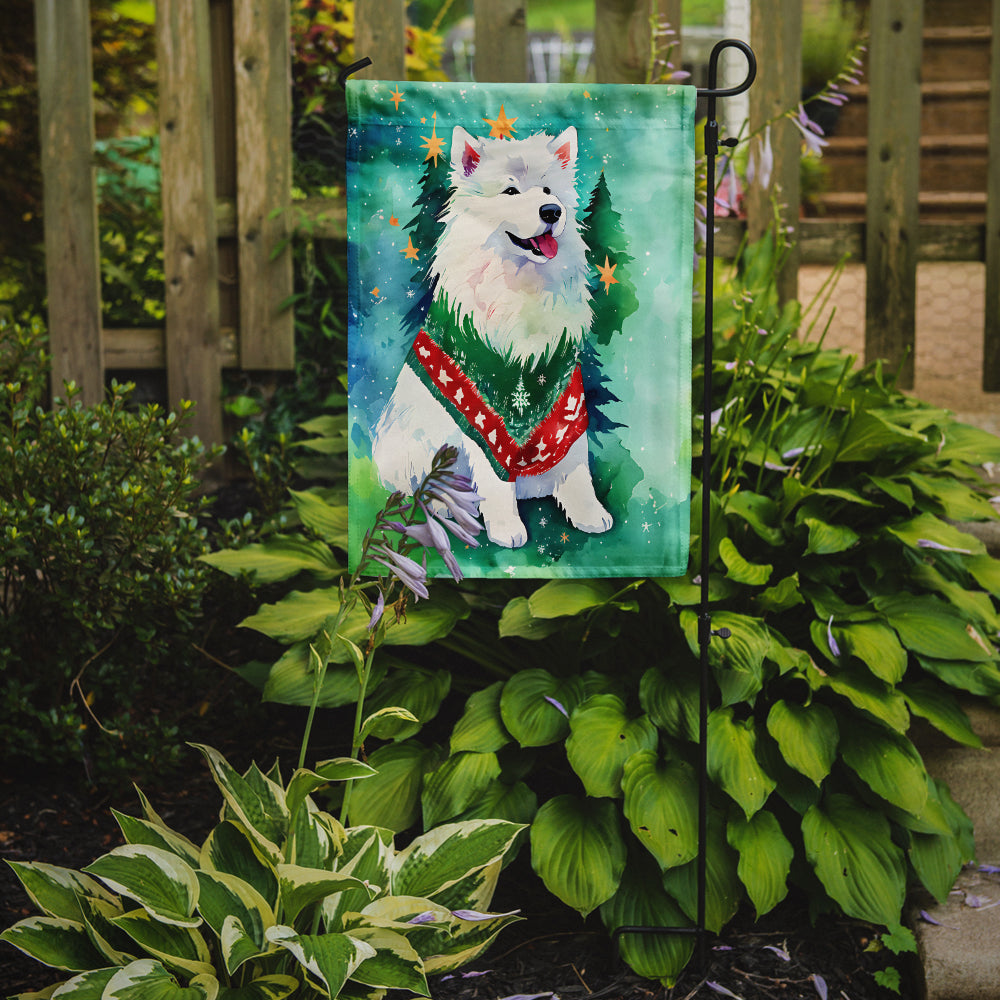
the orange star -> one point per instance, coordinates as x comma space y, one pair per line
501, 126
396, 96
410, 250
393, 221
564, 537
433, 145
607, 275
375, 292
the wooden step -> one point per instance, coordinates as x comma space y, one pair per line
956, 53
945, 12
958, 206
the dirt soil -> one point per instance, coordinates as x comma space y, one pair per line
552, 952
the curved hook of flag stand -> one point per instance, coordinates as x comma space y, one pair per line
705, 631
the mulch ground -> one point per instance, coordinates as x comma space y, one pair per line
551, 952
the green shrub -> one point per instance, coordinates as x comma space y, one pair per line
101, 587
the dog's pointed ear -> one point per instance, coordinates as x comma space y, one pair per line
465, 151
563, 147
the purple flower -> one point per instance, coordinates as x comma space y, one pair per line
780, 952
820, 983
475, 915
558, 705
811, 132
410, 573
719, 988
760, 166
831, 642
427, 917
462, 504
377, 611
927, 543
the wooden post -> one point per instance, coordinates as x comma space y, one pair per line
190, 254
893, 183
622, 40
380, 34
262, 60
501, 41
72, 255
991, 333
776, 35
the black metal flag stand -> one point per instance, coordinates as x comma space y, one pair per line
705, 630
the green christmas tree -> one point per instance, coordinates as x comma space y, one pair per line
427, 229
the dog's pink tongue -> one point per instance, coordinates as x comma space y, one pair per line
547, 244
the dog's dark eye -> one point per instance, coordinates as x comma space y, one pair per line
510, 190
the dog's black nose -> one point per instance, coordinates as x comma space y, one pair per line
550, 213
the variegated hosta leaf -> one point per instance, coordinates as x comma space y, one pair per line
732, 760
159, 881
98, 915
476, 890
177, 947
391, 799
466, 941
417, 690
765, 858
888, 763
274, 987
225, 897
329, 959
230, 849
661, 799
456, 784
147, 979
481, 727
367, 853
256, 801
441, 857
642, 902
850, 847
54, 941
56, 891
602, 737
141, 831
395, 964
315, 838
578, 851
86, 986
535, 706
807, 736
301, 887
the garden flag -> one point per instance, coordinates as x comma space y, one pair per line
520, 261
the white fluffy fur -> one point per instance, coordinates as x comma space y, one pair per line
520, 301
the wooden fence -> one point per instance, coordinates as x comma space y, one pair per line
226, 161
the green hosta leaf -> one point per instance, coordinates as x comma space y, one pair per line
385, 723
976, 678
683, 591
965, 443
888, 763
304, 782
443, 856
395, 964
327, 520
602, 738
783, 595
738, 661
828, 539
330, 959
893, 488
765, 858
671, 700
559, 598
807, 736
732, 760
279, 558
147, 979
54, 941
528, 710
957, 501
723, 889
141, 831
739, 569
941, 709
56, 891
481, 727
456, 784
578, 851
975, 605
516, 803
159, 881
86, 986
301, 887
760, 512
274, 987
661, 798
937, 859
391, 798
230, 849
291, 680
865, 692
876, 646
870, 436
931, 628
260, 809
986, 572
415, 689
641, 901
180, 948
517, 620
927, 528
226, 898
850, 848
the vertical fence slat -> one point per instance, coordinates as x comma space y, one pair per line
190, 253
380, 34
991, 333
501, 41
72, 257
893, 183
776, 35
621, 40
261, 57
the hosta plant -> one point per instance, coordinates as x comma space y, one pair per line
279, 900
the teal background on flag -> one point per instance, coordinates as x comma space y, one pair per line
635, 169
